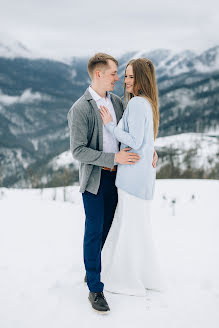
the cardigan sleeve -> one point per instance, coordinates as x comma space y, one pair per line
136, 119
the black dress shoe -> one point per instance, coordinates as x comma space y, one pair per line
98, 302
85, 278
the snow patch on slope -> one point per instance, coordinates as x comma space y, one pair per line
205, 148
64, 159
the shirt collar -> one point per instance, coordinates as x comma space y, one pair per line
95, 95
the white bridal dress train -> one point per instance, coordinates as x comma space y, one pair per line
129, 264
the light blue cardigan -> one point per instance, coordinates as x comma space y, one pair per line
137, 132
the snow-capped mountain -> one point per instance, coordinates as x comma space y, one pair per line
11, 48
171, 63
36, 94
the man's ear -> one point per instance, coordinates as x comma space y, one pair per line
97, 74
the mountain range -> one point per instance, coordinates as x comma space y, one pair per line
36, 94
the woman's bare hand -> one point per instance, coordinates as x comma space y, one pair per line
105, 114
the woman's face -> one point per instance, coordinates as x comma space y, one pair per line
129, 79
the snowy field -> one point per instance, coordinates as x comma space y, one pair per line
41, 265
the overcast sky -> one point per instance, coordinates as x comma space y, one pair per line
66, 27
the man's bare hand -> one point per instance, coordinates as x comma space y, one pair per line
155, 159
124, 157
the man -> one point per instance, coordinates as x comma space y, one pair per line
98, 153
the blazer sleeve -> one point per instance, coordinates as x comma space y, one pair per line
78, 126
136, 119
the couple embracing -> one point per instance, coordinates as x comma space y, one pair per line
115, 149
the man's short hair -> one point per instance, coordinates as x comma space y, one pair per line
99, 61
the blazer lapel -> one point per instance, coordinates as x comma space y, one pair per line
98, 116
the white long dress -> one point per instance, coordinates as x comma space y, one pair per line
129, 262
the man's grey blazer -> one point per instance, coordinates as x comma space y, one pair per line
86, 139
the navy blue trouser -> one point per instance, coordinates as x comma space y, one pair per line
99, 212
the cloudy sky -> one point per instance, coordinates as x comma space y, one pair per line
68, 27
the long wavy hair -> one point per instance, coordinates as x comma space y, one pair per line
145, 86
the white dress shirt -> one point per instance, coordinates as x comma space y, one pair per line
110, 143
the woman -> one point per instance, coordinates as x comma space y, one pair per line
128, 257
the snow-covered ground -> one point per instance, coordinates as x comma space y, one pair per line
41, 265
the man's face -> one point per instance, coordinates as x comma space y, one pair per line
109, 76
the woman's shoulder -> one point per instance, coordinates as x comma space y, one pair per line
139, 102
139, 99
